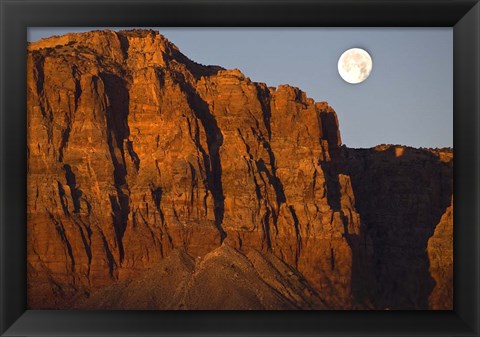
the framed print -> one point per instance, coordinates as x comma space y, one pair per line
320, 178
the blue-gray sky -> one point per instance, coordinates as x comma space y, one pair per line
408, 98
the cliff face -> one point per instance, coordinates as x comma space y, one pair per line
404, 198
137, 154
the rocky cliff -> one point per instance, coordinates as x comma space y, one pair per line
147, 170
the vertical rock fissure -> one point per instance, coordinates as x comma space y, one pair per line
65, 134
206, 161
76, 193
39, 75
133, 155
296, 224
251, 171
263, 95
266, 229
78, 88
332, 185
110, 259
86, 239
272, 176
63, 236
124, 44
214, 142
117, 131
68, 115
62, 194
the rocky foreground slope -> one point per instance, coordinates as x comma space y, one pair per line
158, 183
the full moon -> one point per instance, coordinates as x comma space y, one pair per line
355, 65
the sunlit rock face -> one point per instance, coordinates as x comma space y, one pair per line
147, 170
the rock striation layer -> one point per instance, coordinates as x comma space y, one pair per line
147, 170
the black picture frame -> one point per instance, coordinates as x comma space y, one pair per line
17, 15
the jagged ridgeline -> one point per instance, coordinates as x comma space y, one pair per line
155, 182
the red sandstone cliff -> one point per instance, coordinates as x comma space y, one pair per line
146, 169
